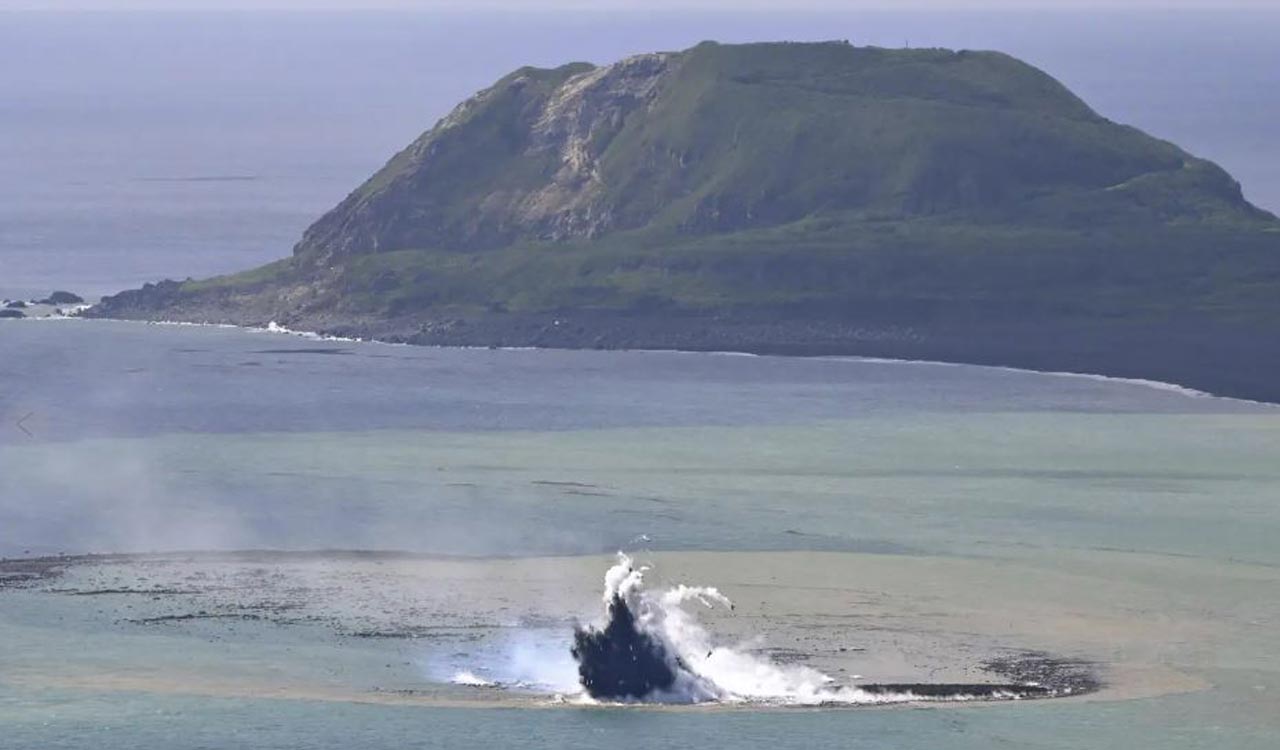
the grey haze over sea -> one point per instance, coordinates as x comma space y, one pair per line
139, 146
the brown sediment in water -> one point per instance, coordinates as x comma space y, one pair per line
451, 696
880, 623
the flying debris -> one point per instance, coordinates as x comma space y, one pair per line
651, 649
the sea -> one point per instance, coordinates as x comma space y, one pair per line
1139, 518
140, 146
149, 145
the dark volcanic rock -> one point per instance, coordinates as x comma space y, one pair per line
139, 303
12, 313
1057, 675
62, 298
959, 690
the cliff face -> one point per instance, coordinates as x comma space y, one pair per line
767, 195
723, 138
518, 160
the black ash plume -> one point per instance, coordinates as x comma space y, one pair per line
620, 662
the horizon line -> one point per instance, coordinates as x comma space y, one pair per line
481, 7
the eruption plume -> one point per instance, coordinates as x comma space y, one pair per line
621, 661
651, 649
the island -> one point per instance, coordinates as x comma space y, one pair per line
787, 198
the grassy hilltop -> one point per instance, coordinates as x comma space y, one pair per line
818, 193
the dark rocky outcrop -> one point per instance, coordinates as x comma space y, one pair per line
62, 298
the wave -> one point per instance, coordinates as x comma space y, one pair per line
190, 324
58, 312
274, 327
1143, 382
271, 327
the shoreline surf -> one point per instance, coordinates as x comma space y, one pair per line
273, 327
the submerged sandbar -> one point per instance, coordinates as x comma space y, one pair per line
391, 627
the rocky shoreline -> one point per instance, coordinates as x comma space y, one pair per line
1222, 358
58, 304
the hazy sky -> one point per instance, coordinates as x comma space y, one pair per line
621, 4
99, 113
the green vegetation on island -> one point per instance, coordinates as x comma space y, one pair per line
806, 184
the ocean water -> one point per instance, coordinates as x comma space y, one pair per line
250, 430
139, 146
1176, 722
1083, 494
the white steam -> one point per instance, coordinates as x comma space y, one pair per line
535, 660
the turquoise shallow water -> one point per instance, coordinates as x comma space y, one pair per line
152, 438
181, 723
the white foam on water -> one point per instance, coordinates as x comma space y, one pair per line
1142, 382
274, 327
189, 324
471, 679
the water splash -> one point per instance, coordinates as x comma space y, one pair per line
652, 648
471, 679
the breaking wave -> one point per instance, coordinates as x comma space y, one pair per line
1158, 385
274, 327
